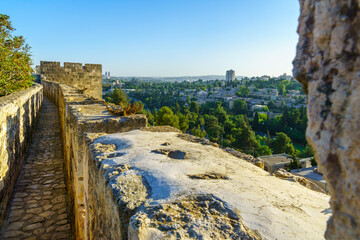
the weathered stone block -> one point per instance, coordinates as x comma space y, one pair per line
18, 117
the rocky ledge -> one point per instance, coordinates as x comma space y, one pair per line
208, 193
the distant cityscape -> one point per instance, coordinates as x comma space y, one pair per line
257, 99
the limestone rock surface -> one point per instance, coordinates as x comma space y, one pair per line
194, 217
283, 174
210, 194
328, 65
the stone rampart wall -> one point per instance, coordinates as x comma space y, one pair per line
18, 117
86, 77
95, 212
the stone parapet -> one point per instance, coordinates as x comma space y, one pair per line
80, 116
18, 117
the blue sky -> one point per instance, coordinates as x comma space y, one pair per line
162, 38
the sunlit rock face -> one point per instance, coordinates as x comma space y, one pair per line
328, 65
201, 193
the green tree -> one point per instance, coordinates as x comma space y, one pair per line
15, 62
243, 134
213, 128
220, 113
243, 91
281, 89
268, 139
240, 107
185, 110
200, 121
262, 117
177, 108
265, 109
256, 121
271, 105
313, 162
245, 139
263, 150
188, 99
289, 149
118, 97
194, 107
198, 132
282, 144
285, 117
294, 164
183, 122
228, 126
166, 117
193, 120
307, 152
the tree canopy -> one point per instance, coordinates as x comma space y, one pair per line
15, 61
240, 107
243, 92
230, 125
282, 144
118, 97
166, 117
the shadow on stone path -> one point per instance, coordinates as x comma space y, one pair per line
38, 208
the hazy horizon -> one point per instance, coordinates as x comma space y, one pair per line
183, 76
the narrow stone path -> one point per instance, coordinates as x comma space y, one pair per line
38, 207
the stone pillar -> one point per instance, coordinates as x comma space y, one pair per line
328, 65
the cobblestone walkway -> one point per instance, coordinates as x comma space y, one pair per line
38, 208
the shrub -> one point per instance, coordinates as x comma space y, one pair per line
294, 164
166, 117
313, 162
124, 110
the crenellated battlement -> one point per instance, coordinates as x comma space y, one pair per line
72, 66
74, 74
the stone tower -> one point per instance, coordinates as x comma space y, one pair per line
86, 77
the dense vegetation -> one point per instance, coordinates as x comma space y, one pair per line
15, 62
165, 105
118, 104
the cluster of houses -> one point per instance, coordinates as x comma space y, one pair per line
113, 84
257, 100
277, 161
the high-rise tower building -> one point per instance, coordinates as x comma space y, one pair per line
230, 75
